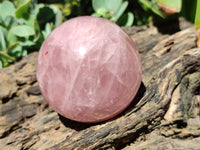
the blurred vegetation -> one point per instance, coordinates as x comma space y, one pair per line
25, 24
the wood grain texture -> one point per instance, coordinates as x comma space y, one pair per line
167, 102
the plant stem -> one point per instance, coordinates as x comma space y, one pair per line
6, 56
197, 16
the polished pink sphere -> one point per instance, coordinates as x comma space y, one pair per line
88, 69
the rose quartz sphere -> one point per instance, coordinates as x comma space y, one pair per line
88, 69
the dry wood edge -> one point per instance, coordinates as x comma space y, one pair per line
151, 108
147, 112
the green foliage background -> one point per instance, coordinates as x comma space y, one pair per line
25, 24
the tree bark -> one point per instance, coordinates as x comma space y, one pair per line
166, 106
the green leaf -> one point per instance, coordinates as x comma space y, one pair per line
98, 4
6, 56
170, 7
16, 51
2, 38
109, 9
36, 27
11, 36
126, 20
13, 45
4, 30
38, 38
47, 30
106, 14
96, 15
22, 10
27, 43
24, 52
188, 10
34, 3
1, 64
2, 41
197, 16
152, 7
58, 18
102, 12
6, 9
9, 21
173, 4
107, 4
1, 20
23, 31
30, 20
121, 10
58, 15
20, 2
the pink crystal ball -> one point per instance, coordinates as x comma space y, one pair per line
89, 69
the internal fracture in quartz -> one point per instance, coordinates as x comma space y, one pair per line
88, 69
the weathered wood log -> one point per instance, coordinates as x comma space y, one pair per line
167, 103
